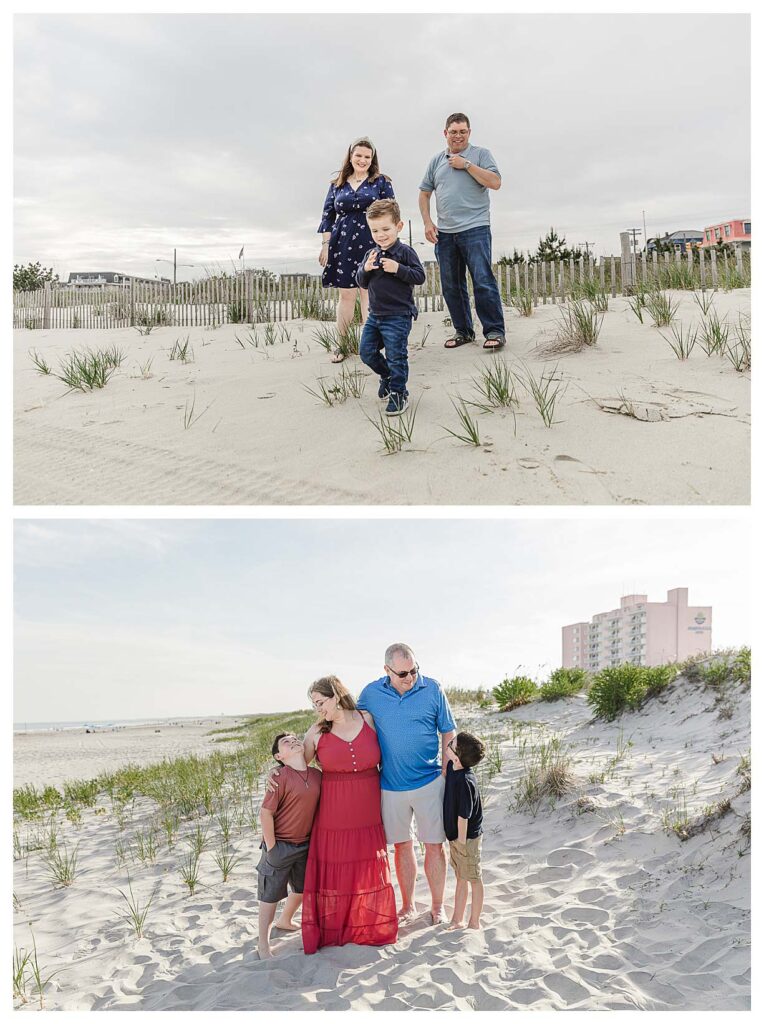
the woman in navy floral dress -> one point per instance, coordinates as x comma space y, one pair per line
346, 235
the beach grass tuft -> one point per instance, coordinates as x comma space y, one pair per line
522, 301
89, 370
182, 350
545, 391
226, 859
661, 307
467, 430
62, 864
189, 870
394, 433
682, 340
135, 912
563, 682
495, 385
513, 693
40, 362
626, 687
713, 334
547, 774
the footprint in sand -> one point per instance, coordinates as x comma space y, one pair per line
584, 915
580, 480
569, 855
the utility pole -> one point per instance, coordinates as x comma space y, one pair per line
175, 266
634, 232
644, 227
587, 244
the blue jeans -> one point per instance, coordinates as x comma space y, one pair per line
457, 253
390, 333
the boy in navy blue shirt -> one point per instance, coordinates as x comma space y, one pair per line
463, 824
389, 270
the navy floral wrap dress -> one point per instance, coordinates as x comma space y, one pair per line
345, 216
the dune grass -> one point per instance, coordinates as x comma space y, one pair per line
563, 682
547, 774
514, 692
626, 687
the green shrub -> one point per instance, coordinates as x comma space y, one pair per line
512, 693
627, 686
741, 666
563, 682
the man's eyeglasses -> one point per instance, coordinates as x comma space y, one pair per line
403, 675
458, 133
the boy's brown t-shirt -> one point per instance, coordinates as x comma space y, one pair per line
294, 803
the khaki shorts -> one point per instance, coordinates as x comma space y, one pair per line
466, 865
425, 804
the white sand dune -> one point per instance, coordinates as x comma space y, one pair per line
590, 904
261, 439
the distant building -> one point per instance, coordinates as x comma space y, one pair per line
735, 232
102, 278
640, 631
679, 240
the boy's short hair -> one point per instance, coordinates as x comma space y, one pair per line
382, 208
469, 749
458, 119
275, 747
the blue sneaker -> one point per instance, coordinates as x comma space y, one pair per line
399, 402
384, 389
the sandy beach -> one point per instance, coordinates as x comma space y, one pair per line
52, 758
256, 437
592, 903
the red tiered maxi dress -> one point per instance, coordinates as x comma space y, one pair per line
348, 891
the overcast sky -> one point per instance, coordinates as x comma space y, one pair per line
142, 618
138, 133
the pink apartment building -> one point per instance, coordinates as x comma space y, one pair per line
640, 631
735, 232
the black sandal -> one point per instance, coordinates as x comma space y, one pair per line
458, 340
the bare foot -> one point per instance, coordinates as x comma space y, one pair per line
264, 953
286, 926
455, 926
475, 927
438, 915
406, 914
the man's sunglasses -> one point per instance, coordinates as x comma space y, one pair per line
403, 675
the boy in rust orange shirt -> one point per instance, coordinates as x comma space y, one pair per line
286, 816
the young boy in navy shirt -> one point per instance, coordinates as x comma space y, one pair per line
389, 270
463, 824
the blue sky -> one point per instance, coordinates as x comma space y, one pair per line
137, 618
136, 133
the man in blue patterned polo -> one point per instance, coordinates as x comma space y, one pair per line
414, 727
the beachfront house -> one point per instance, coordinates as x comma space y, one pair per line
104, 278
734, 232
641, 632
680, 241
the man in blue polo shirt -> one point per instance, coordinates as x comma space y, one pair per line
414, 727
461, 177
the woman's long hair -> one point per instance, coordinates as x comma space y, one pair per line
347, 167
330, 686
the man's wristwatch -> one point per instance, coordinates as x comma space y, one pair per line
467, 164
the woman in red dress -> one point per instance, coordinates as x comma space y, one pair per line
348, 894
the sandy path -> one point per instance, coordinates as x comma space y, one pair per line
261, 439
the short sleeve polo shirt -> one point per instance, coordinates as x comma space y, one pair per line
408, 729
461, 202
